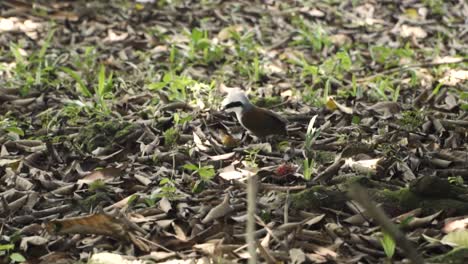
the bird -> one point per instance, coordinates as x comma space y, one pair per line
259, 121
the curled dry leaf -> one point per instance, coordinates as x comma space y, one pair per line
363, 166
220, 210
95, 224
333, 105
105, 174
32, 240
230, 173
386, 109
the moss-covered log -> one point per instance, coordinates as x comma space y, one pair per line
429, 193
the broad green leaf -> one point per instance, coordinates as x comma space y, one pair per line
458, 238
388, 245
15, 130
17, 257
207, 172
7, 246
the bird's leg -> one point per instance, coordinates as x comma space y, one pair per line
243, 137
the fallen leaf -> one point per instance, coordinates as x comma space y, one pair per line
458, 238
105, 174
332, 105
220, 210
453, 77
409, 31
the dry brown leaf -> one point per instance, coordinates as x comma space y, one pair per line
456, 225
453, 77
220, 210
105, 174
409, 31
95, 224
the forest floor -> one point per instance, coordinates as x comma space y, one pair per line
114, 147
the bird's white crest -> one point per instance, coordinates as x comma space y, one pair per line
237, 95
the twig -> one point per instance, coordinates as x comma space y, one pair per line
251, 206
273, 187
359, 194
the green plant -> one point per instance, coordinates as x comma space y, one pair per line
464, 98
176, 85
336, 66
14, 257
251, 158
11, 126
102, 89
383, 89
436, 6
201, 44
311, 135
35, 69
308, 168
412, 119
167, 189
388, 244
390, 57
310, 34
7, 248
206, 173
98, 185
334, 69
182, 118
170, 136
456, 180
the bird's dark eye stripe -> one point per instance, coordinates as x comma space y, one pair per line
233, 104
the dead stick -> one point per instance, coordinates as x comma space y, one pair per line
251, 207
360, 195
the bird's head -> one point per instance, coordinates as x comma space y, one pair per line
237, 102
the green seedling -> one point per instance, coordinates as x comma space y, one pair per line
206, 174
390, 57
251, 158
33, 70
15, 257
313, 35
388, 244
311, 135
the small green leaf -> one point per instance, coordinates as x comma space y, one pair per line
388, 245
132, 198
164, 181
17, 257
190, 167
207, 172
101, 81
356, 119
7, 247
458, 238
15, 130
81, 86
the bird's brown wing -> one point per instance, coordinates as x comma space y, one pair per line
262, 122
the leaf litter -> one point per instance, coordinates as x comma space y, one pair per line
103, 110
